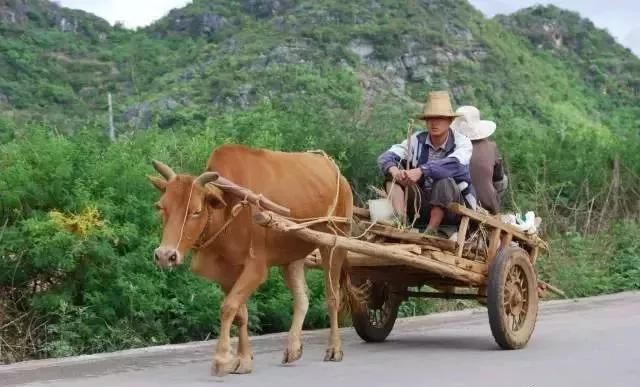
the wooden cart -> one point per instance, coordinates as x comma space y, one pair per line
491, 261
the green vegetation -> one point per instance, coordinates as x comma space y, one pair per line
77, 226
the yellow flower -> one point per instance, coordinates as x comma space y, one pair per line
78, 224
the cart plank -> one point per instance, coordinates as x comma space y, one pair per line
413, 237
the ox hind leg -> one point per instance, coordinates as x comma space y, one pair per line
252, 275
332, 265
294, 277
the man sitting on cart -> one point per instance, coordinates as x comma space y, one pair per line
433, 168
487, 172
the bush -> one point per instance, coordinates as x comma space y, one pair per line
75, 258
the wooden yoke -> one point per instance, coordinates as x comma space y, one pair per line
253, 198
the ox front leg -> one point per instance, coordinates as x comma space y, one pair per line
332, 265
245, 357
294, 276
253, 274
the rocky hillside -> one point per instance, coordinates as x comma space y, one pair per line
542, 73
602, 65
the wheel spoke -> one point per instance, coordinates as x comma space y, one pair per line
516, 297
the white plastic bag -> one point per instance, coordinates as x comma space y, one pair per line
528, 224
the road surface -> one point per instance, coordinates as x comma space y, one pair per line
588, 342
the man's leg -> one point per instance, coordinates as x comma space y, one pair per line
435, 218
443, 193
396, 193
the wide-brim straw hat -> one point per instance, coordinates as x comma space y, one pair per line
438, 105
470, 125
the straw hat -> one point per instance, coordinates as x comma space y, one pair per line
437, 105
469, 124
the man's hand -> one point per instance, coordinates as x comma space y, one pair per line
399, 175
413, 175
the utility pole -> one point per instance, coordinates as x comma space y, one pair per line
112, 130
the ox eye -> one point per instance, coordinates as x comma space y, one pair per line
196, 213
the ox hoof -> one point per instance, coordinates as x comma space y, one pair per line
224, 365
243, 365
333, 354
292, 353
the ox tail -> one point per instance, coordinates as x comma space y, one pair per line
351, 297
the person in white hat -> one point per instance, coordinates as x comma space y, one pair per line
436, 162
487, 174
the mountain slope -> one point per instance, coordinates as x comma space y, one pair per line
364, 66
53, 59
609, 69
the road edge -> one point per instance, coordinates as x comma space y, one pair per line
280, 338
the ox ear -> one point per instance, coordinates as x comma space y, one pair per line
160, 184
214, 196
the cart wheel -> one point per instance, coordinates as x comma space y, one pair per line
512, 298
374, 320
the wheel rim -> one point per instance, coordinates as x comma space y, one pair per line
512, 298
516, 298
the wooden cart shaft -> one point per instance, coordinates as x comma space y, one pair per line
444, 264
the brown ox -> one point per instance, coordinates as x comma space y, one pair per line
239, 257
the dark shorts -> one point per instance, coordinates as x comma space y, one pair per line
441, 193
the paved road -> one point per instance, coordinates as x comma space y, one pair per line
590, 342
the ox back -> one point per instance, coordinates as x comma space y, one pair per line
309, 184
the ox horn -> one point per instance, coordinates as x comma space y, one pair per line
207, 177
164, 170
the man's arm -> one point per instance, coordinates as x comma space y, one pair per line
498, 169
499, 179
444, 168
392, 157
464, 149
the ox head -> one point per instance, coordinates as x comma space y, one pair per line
185, 208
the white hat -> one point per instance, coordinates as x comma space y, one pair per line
470, 125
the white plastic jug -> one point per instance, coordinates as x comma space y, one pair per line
380, 209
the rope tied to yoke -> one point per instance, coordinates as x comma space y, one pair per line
330, 219
186, 213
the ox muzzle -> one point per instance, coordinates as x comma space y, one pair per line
167, 256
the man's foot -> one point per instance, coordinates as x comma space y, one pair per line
431, 232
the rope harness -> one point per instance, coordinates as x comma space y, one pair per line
235, 211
